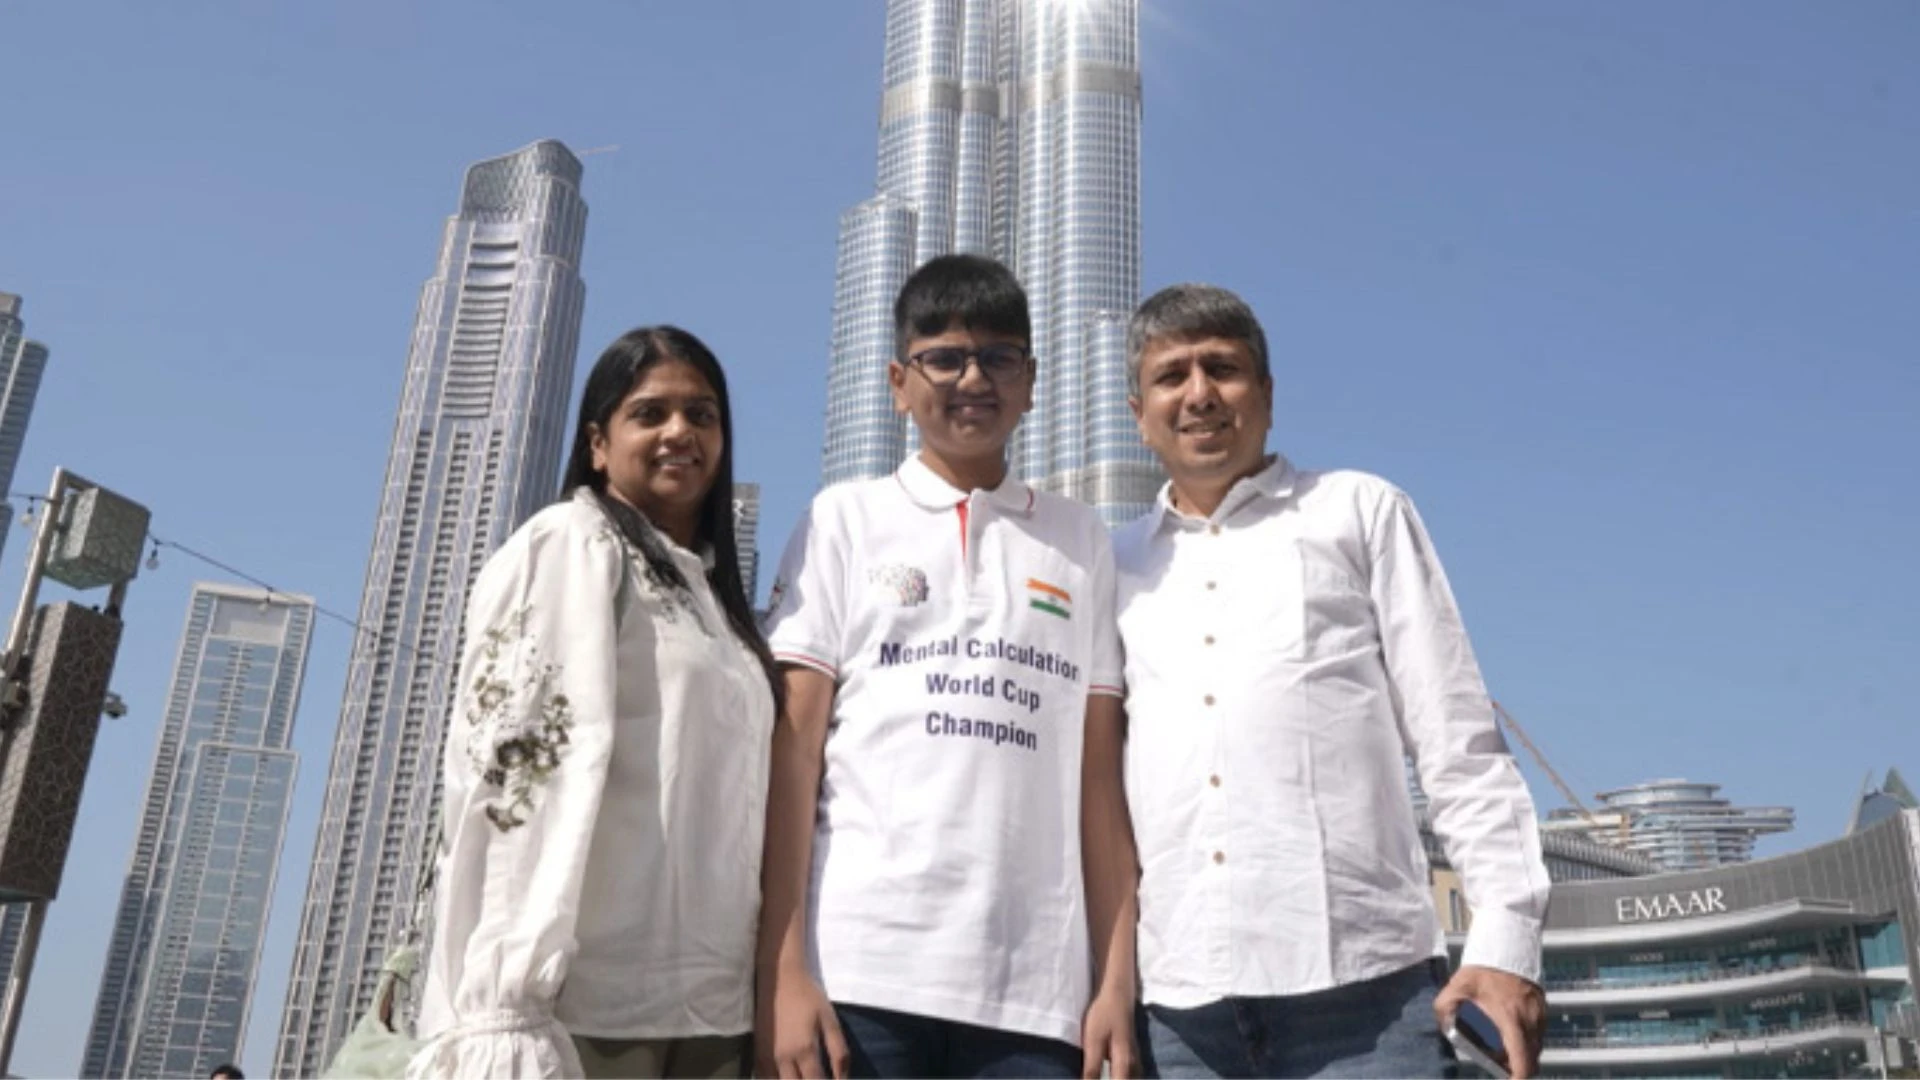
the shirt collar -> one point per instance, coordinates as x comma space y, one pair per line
1275, 480
705, 554
928, 490
704, 557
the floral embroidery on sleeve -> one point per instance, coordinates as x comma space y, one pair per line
521, 729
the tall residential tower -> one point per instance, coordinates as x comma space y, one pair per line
476, 450
22, 362
1008, 128
185, 952
746, 532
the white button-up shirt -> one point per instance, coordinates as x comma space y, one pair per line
1283, 656
606, 779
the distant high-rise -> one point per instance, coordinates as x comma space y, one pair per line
476, 450
1876, 805
746, 532
181, 966
1679, 824
13, 923
1008, 128
22, 362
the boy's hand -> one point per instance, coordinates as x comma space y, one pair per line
794, 1028
1106, 1037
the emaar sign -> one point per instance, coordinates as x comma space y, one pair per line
1673, 905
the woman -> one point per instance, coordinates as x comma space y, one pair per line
606, 766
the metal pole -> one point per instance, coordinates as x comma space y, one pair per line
17, 981
30, 589
15, 678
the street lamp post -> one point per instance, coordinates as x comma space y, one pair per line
53, 684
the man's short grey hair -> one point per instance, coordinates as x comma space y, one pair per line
1188, 311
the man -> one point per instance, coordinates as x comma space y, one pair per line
1290, 638
948, 881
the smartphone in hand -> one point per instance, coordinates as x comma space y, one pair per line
1477, 1041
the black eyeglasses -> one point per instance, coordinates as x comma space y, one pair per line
946, 364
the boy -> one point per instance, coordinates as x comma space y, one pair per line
946, 828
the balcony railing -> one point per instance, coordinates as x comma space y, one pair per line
1706, 1038
1904, 1018
1718, 974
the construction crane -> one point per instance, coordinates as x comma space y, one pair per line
1566, 790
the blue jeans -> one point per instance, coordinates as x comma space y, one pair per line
1383, 1027
883, 1043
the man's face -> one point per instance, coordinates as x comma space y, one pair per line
964, 415
1204, 407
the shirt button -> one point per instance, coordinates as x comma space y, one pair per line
1214, 529
1219, 856
1209, 584
1209, 699
1209, 639
1214, 780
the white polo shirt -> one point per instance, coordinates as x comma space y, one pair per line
964, 631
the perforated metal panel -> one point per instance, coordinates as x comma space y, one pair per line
47, 754
101, 544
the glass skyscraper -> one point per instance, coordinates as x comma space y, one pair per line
1008, 128
180, 968
22, 362
746, 533
476, 450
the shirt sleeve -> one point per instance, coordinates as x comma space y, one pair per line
1481, 809
806, 611
1106, 675
526, 764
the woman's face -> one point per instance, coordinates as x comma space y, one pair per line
660, 450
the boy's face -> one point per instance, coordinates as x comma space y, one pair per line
964, 415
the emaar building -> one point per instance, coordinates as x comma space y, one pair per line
184, 958
1799, 965
476, 451
1008, 128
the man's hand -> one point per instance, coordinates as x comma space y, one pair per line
1517, 1008
1106, 1037
793, 1024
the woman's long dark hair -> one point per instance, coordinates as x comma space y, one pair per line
614, 376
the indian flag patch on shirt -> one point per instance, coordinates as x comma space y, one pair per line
1051, 599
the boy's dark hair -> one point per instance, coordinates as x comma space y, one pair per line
972, 290
228, 1071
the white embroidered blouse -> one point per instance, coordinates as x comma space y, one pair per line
605, 796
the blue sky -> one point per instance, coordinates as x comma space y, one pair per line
1623, 294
